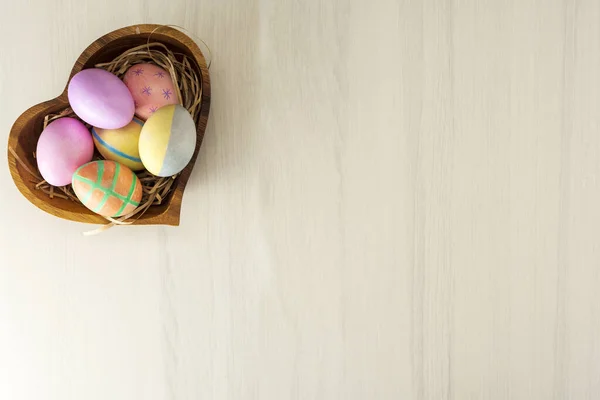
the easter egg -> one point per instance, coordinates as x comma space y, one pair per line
107, 188
100, 99
151, 88
64, 146
120, 145
168, 141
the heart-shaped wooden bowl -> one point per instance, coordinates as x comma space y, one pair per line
28, 127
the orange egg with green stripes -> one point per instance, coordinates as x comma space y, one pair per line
107, 188
120, 145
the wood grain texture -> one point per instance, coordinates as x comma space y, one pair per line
393, 200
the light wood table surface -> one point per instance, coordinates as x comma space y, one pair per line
395, 199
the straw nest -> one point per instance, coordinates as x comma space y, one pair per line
188, 87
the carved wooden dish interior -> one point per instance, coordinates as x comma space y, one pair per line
28, 127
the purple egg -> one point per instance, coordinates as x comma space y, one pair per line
101, 99
65, 145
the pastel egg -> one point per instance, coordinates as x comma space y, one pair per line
100, 99
120, 145
151, 88
168, 141
107, 188
64, 146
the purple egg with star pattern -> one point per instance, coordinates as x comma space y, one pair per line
101, 99
151, 88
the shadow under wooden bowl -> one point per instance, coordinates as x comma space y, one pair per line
28, 127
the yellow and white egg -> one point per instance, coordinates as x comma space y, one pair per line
168, 140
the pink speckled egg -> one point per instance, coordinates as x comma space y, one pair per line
100, 99
151, 88
65, 145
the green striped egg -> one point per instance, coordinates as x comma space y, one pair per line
107, 188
